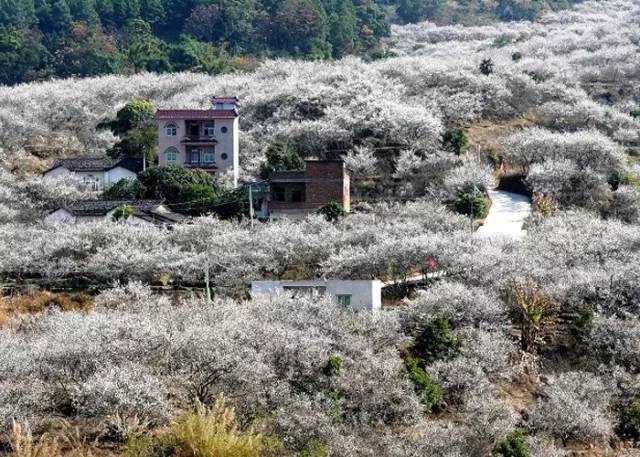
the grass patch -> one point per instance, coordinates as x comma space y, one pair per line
37, 302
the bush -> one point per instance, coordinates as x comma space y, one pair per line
429, 392
213, 432
486, 67
333, 366
332, 211
473, 204
174, 184
581, 327
455, 140
122, 212
516, 56
125, 189
628, 426
513, 445
436, 341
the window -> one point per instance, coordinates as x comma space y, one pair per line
208, 155
278, 193
194, 128
297, 195
344, 300
194, 156
305, 291
171, 155
209, 128
224, 129
171, 129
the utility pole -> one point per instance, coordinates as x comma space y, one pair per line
207, 284
251, 206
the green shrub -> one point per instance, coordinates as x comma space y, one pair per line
333, 365
581, 327
473, 204
429, 392
635, 113
122, 212
332, 211
314, 448
454, 140
125, 189
516, 56
513, 445
436, 341
628, 426
630, 179
501, 41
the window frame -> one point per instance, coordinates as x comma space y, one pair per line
173, 151
206, 151
171, 129
340, 298
209, 128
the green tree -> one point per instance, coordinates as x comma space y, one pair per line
153, 12
193, 55
628, 426
514, 445
280, 157
300, 28
436, 341
54, 17
454, 140
486, 67
17, 13
135, 125
176, 184
143, 50
342, 28
22, 56
473, 204
124, 189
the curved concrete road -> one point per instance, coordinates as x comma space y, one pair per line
506, 215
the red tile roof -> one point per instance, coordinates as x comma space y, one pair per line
196, 113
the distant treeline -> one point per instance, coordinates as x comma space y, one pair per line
44, 38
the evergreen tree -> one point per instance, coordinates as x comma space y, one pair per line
342, 28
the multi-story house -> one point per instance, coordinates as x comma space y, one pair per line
201, 138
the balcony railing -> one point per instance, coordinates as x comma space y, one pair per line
198, 139
200, 164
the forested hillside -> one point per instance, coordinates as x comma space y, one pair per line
40, 39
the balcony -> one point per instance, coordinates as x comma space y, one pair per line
198, 139
202, 165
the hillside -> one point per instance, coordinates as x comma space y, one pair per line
61, 38
485, 346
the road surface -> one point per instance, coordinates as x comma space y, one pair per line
506, 215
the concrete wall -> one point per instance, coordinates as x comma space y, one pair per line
227, 143
365, 295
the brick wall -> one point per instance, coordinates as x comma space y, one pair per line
325, 181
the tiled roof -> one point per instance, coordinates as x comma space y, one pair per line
102, 207
147, 210
98, 164
196, 114
224, 98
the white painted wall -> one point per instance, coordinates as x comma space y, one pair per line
100, 178
365, 295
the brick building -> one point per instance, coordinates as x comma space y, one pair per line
296, 193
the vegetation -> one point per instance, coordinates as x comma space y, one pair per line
207, 432
473, 204
136, 127
628, 426
430, 393
280, 157
332, 211
455, 140
514, 445
122, 212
